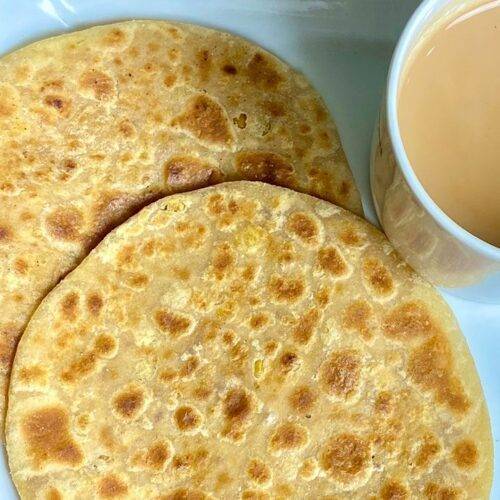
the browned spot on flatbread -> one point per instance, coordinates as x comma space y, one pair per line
99, 83
21, 266
344, 456
48, 439
204, 64
206, 120
303, 226
187, 418
407, 321
285, 289
339, 374
69, 306
331, 260
302, 399
61, 104
94, 303
434, 491
111, 486
129, 402
9, 336
237, 408
265, 167
465, 454
157, 456
174, 324
378, 277
306, 326
357, 317
82, 366
5, 233
431, 366
263, 73
114, 37
184, 173
184, 494
65, 223
53, 494
258, 472
288, 437
394, 490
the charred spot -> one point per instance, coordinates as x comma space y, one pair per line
206, 120
265, 167
47, 435
186, 173
229, 69
339, 374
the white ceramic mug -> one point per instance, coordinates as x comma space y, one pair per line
431, 242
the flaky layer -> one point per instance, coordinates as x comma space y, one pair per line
246, 341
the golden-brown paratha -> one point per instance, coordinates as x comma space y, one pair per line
96, 123
246, 341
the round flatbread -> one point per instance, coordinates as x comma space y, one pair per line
246, 341
97, 123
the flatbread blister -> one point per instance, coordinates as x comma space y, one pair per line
246, 341
98, 123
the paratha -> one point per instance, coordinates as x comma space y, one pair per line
97, 123
246, 341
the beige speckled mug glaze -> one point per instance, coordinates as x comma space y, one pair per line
430, 241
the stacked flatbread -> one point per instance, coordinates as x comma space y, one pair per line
98, 123
246, 341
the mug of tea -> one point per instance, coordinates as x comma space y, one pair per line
435, 162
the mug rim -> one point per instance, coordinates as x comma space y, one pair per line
396, 67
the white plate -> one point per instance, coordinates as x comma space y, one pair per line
343, 46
